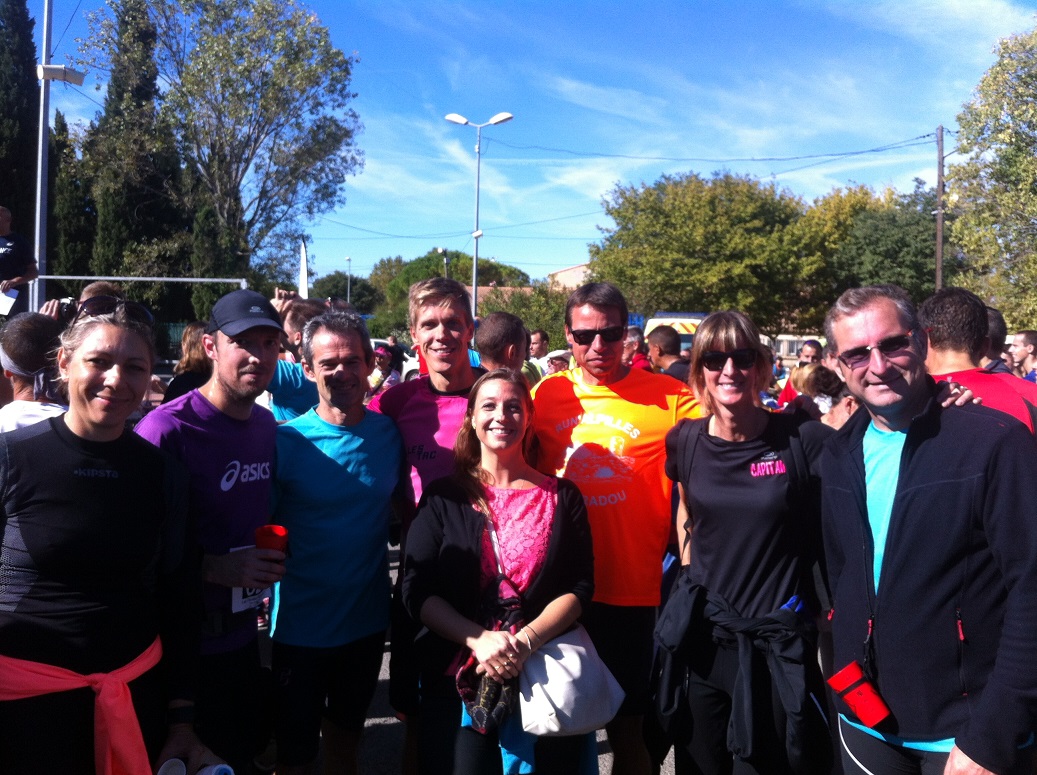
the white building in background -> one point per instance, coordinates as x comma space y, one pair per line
570, 278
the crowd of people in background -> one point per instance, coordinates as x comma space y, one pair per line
855, 518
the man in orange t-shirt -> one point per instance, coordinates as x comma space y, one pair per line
603, 425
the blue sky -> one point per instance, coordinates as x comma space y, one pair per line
611, 93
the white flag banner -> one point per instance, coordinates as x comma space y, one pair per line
304, 279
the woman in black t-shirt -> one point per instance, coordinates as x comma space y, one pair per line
94, 567
749, 528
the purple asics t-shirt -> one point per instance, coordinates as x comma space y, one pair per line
231, 462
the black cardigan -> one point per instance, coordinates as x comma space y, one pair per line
955, 620
443, 555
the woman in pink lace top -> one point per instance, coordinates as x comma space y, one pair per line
450, 580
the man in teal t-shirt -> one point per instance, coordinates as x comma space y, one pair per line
337, 467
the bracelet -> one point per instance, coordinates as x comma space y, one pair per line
537, 634
182, 714
528, 641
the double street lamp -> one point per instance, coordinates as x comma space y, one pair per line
455, 118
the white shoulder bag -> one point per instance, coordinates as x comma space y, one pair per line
565, 688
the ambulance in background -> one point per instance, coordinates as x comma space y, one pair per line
685, 324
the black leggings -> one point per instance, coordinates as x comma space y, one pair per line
711, 681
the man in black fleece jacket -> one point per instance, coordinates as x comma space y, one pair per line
932, 557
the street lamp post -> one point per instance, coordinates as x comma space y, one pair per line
46, 73
455, 118
349, 280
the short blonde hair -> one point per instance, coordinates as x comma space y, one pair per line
438, 292
727, 331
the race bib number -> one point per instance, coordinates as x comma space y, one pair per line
246, 598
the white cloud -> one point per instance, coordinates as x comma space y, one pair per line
625, 103
962, 28
587, 179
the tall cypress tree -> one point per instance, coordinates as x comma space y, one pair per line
74, 216
217, 252
132, 156
19, 114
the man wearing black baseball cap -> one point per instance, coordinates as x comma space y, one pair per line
227, 443
241, 310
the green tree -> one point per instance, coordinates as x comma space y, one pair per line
491, 271
691, 243
213, 254
816, 237
895, 244
261, 102
384, 271
397, 276
19, 114
134, 166
74, 216
429, 265
361, 292
542, 305
393, 314
995, 188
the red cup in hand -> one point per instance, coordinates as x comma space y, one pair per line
272, 537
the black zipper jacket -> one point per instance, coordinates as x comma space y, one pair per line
951, 637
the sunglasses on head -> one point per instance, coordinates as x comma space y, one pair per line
857, 357
715, 360
106, 305
586, 336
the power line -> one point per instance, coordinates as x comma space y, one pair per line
382, 234
452, 235
834, 155
70, 19
81, 93
543, 239
905, 144
546, 220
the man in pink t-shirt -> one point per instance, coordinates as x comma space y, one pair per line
428, 412
955, 321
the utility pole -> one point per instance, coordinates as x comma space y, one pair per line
446, 261
939, 207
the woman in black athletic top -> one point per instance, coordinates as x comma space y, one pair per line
749, 528
95, 575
